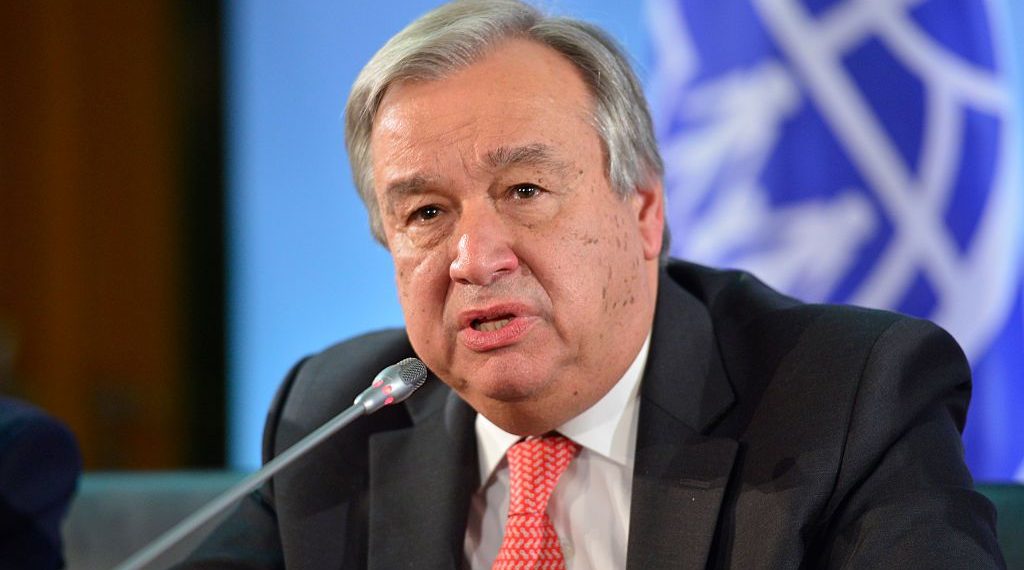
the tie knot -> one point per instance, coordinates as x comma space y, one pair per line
535, 464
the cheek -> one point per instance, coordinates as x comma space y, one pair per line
586, 260
615, 257
422, 280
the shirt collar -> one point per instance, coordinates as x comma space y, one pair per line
607, 428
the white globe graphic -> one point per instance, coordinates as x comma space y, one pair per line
878, 236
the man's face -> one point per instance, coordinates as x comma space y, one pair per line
527, 284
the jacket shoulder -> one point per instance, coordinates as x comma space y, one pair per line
745, 309
770, 343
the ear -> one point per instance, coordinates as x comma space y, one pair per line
649, 207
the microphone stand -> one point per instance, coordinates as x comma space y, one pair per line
391, 386
197, 519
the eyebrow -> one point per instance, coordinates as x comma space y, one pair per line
406, 186
536, 154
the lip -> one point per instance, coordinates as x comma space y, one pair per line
484, 341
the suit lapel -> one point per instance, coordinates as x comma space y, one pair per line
421, 481
680, 474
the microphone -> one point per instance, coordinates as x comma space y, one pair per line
391, 386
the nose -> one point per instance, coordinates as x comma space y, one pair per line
484, 250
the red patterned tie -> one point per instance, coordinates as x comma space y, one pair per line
530, 541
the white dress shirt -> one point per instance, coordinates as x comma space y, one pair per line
590, 505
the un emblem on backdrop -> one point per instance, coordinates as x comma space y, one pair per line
845, 151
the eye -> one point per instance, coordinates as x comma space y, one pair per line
525, 191
425, 214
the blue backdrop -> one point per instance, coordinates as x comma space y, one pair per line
861, 152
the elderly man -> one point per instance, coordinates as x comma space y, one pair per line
595, 406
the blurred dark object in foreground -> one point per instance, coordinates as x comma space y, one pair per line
39, 470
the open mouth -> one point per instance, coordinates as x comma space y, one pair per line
491, 324
498, 326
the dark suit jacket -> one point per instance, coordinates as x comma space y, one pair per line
39, 469
772, 434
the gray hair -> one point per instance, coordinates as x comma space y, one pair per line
457, 34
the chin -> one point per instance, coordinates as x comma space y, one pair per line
507, 380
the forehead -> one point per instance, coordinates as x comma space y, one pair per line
521, 94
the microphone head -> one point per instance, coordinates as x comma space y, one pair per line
393, 384
413, 372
